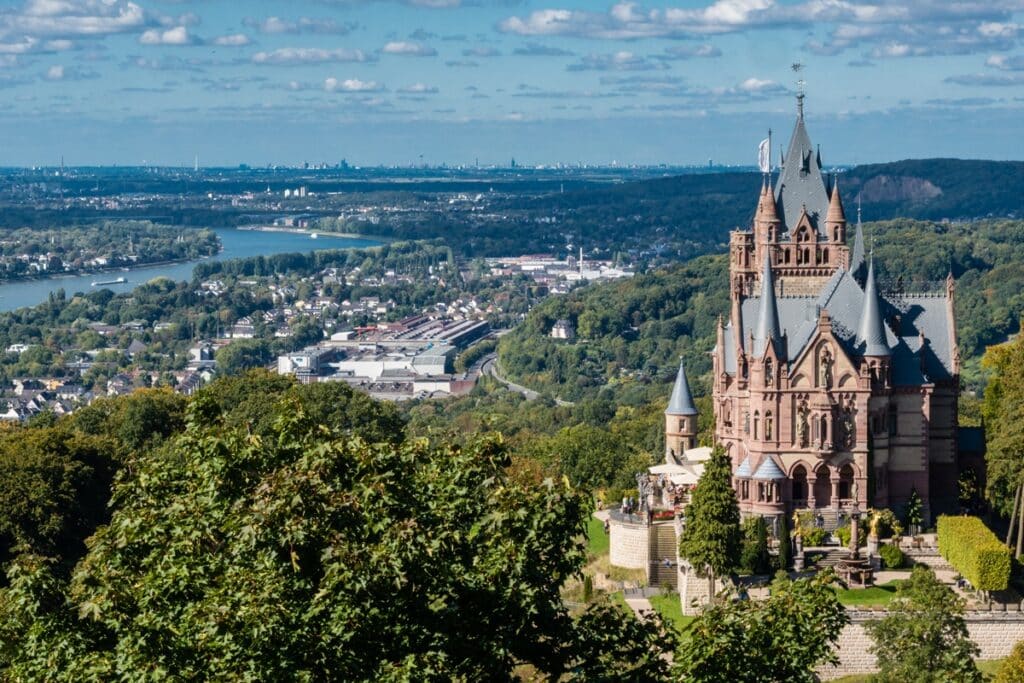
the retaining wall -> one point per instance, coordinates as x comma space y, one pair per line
629, 545
994, 632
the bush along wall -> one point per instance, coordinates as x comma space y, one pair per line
975, 552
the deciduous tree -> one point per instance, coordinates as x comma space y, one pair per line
924, 639
782, 639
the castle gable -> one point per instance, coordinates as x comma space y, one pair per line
801, 184
843, 298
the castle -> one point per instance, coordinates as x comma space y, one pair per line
828, 387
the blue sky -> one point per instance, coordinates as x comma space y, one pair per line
544, 81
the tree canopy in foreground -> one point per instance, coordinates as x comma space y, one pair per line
306, 553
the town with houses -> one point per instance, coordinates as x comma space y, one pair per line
372, 342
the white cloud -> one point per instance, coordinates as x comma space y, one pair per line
351, 85
287, 56
277, 25
617, 61
408, 48
418, 89
1006, 62
178, 35
59, 72
74, 18
232, 40
925, 27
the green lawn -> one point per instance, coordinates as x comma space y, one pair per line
597, 539
873, 595
671, 611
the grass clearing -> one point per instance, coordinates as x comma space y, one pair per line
670, 609
864, 597
597, 539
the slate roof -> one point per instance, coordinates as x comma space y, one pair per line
744, 470
768, 471
768, 313
800, 183
681, 401
843, 298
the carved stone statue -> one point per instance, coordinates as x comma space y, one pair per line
803, 429
825, 369
849, 429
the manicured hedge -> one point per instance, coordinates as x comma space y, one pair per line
975, 552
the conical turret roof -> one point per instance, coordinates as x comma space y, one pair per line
768, 327
681, 401
835, 206
872, 327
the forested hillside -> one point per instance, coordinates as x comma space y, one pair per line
631, 333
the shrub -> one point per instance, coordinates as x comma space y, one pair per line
1012, 668
892, 556
975, 552
813, 536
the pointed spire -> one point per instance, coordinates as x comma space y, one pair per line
872, 329
769, 212
681, 401
768, 315
836, 214
857, 257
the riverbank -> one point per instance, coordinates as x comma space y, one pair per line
68, 275
318, 233
234, 244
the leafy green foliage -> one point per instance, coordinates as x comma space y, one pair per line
974, 551
633, 333
924, 639
306, 553
1003, 410
785, 556
1012, 668
754, 558
913, 512
781, 639
711, 538
892, 556
251, 401
56, 475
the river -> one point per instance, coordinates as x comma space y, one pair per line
236, 243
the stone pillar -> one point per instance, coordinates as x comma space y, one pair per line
833, 478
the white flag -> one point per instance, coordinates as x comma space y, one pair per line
764, 155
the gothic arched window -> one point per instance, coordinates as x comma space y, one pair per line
757, 422
768, 425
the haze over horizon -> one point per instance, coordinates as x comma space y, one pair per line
378, 82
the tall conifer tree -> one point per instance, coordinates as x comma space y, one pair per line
711, 538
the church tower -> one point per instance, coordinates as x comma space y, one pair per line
680, 419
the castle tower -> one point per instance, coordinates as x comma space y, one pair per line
680, 418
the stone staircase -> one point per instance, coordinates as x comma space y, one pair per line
829, 517
663, 545
832, 558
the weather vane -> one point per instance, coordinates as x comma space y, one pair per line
797, 67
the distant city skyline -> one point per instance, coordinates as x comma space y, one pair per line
399, 82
